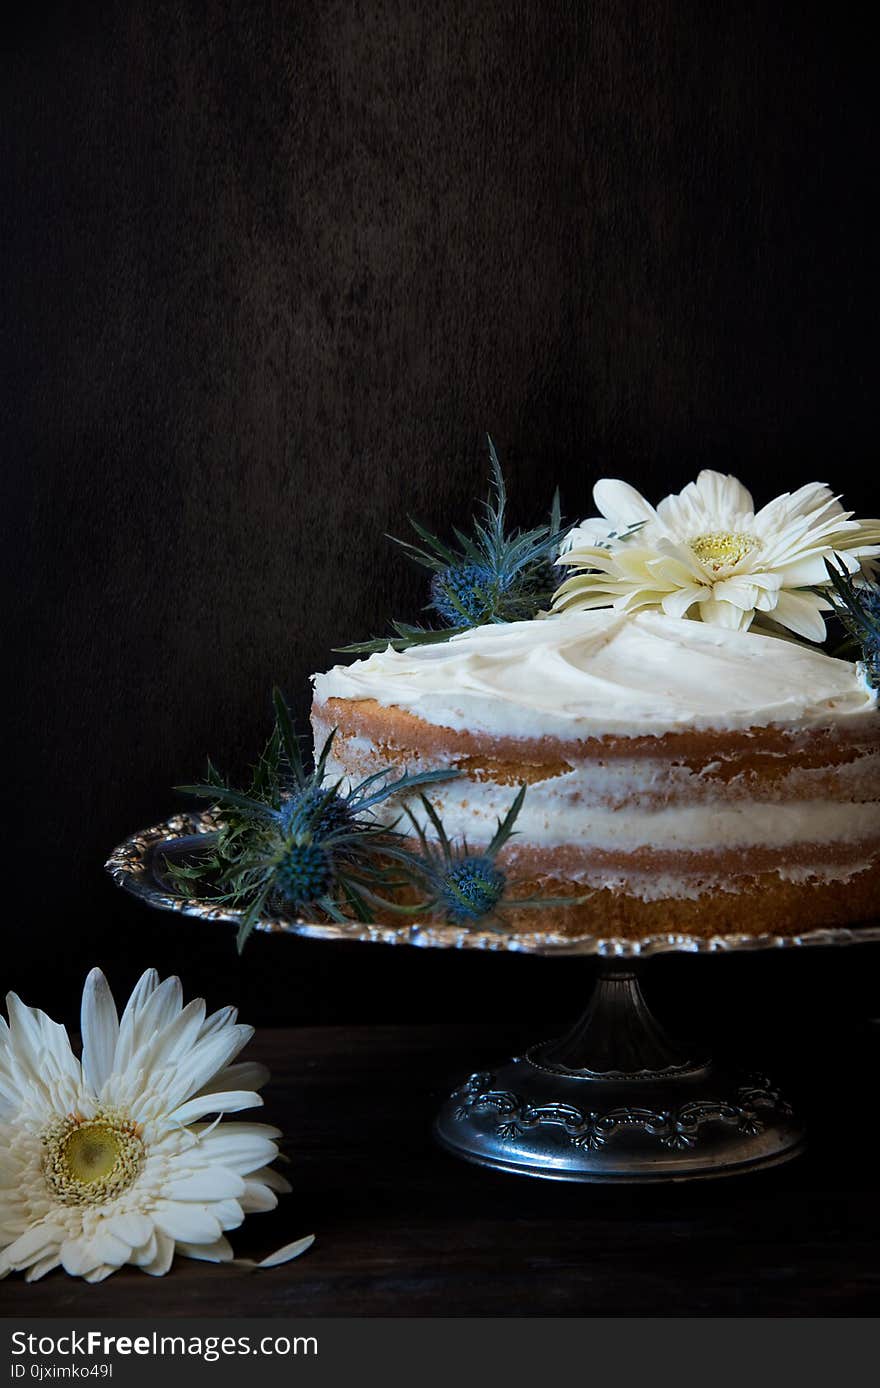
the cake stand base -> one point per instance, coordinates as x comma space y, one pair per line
616, 1100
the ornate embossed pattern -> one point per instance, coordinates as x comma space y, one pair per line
676, 1129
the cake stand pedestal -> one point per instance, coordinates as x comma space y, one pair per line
614, 1099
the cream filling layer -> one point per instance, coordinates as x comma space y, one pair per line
642, 782
472, 809
691, 829
670, 886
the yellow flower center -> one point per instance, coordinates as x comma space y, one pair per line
86, 1161
722, 549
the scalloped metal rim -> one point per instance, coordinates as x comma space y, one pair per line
130, 866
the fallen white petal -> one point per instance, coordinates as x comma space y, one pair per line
287, 1253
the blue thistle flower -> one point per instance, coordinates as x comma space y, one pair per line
305, 873
467, 594
472, 888
465, 887
299, 809
292, 842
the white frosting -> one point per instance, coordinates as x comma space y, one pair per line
642, 782
740, 824
666, 886
584, 674
549, 819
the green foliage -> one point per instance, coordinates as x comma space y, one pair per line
857, 605
491, 574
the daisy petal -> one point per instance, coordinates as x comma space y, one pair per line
100, 1031
175, 1042
35, 1041
810, 570
218, 1252
189, 1223
35, 1242
739, 592
621, 503
108, 1248
814, 499
130, 1227
160, 1008
258, 1198
241, 1147
713, 502
585, 534
78, 1256
232, 1102
228, 1212
130, 1038
273, 1179
801, 613
224, 1017
724, 614
213, 1183
723, 495
148, 1251
247, 1075
208, 1056
164, 1256
679, 603
38, 1270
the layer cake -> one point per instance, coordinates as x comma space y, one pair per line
681, 777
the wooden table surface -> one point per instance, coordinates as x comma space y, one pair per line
405, 1230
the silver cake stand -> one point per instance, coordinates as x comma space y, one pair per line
614, 1099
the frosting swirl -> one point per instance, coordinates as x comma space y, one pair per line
588, 674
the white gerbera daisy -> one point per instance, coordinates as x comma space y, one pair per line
706, 554
103, 1161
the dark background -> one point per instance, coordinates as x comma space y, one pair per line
269, 273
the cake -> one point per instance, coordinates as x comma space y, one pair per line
681, 777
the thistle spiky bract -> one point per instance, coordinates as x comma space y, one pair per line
489, 575
858, 607
294, 842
